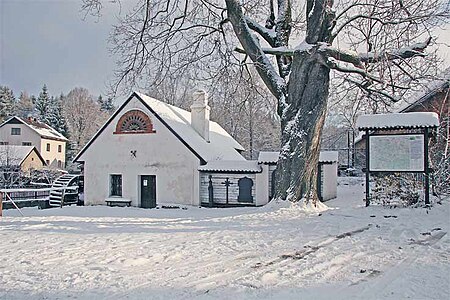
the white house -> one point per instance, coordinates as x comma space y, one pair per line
150, 152
50, 144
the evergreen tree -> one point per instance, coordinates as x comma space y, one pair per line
54, 116
61, 123
24, 107
106, 105
7, 103
42, 104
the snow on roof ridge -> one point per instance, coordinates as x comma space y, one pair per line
231, 166
398, 120
328, 156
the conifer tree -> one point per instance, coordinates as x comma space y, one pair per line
106, 105
42, 104
7, 103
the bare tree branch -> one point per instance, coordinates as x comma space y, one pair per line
274, 82
267, 34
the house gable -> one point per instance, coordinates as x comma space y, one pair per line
176, 121
27, 134
109, 130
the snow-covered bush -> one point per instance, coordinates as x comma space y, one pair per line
398, 190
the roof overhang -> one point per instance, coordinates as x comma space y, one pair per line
414, 120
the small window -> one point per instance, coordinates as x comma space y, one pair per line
116, 185
59, 148
59, 164
48, 147
32, 159
47, 162
26, 143
4, 143
15, 131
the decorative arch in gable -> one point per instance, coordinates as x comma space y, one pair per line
134, 122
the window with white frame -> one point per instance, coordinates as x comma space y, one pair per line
15, 131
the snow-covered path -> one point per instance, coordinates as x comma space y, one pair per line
348, 251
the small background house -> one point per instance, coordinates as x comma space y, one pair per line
50, 144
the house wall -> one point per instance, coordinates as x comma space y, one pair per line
263, 186
32, 161
329, 181
220, 189
28, 135
53, 156
160, 153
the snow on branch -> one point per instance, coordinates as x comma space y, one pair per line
273, 51
266, 70
286, 51
267, 34
402, 53
357, 59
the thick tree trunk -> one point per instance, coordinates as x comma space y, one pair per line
303, 118
301, 124
302, 104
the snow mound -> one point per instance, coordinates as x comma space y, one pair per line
303, 206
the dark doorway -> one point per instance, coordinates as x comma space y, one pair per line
245, 190
148, 191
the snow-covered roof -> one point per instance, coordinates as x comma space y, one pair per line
44, 130
13, 155
247, 166
268, 157
328, 156
221, 145
398, 120
432, 88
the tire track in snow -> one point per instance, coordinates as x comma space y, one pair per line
379, 282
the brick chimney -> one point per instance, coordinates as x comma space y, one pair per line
200, 114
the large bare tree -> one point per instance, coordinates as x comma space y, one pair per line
293, 45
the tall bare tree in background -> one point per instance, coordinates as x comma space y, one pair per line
83, 117
293, 45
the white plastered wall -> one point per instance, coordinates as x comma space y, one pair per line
26, 135
160, 153
262, 186
329, 181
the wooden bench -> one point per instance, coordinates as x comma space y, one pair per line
118, 202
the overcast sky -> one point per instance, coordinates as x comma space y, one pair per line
47, 41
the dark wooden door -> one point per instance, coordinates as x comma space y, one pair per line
148, 191
245, 190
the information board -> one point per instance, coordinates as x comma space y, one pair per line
396, 153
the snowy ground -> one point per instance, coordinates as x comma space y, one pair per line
347, 251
